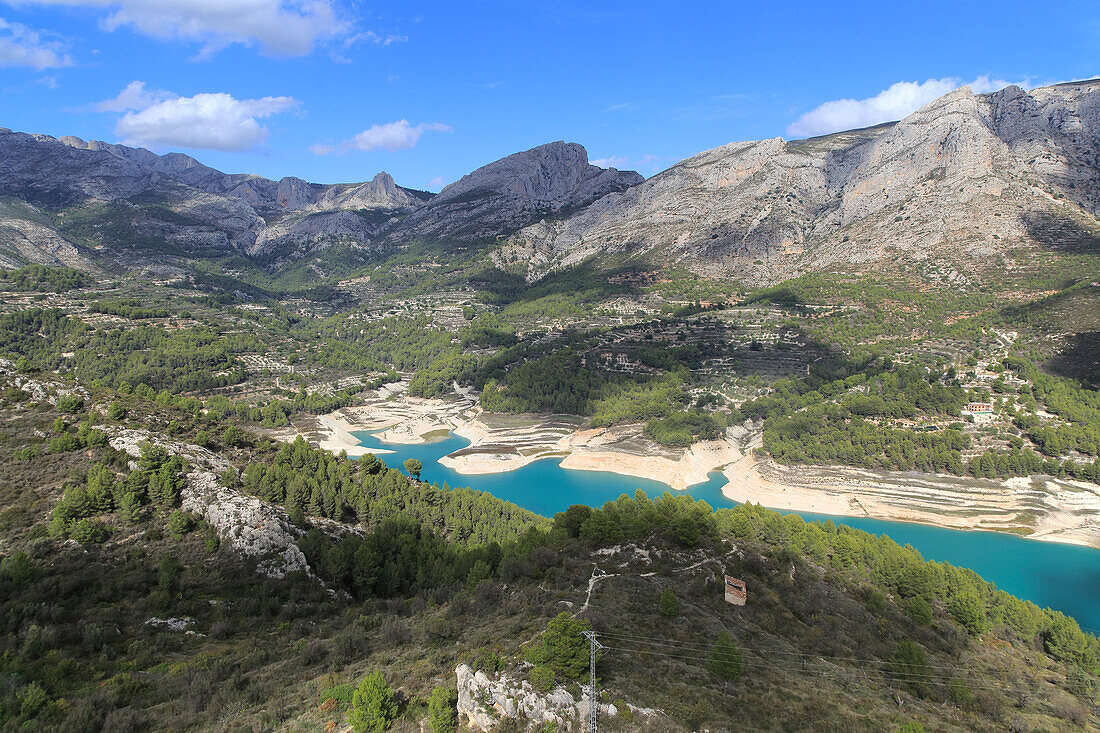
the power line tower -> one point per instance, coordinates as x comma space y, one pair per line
593, 705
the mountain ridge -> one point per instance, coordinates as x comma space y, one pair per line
964, 182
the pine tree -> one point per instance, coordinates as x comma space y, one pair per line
562, 648
442, 715
669, 605
724, 661
373, 707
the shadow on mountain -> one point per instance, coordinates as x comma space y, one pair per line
1079, 359
584, 283
1060, 233
778, 295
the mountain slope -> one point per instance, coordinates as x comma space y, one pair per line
135, 206
550, 180
965, 177
122, 612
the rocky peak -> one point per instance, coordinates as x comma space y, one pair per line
550, 176
962, 176
514, 191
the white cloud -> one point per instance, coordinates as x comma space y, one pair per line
279, 27
647, 164
391, 136
23, 46
134, 96
615, 161
158, 119
901, 99
436, 183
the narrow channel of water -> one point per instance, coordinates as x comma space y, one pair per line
1064, 577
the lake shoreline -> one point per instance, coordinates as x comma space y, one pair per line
1040, 508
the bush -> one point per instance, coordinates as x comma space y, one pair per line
442, 715
669, 605
89, 532
19, 568
373, 707
180, 523
32, 698
340, 694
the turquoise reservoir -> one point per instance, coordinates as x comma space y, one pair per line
1064, 577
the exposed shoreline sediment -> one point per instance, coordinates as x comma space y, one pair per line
1039, 507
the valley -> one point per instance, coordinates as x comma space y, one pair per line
263, 439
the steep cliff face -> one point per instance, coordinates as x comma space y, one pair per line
967, 174
498, 198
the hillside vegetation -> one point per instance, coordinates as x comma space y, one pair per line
124, 612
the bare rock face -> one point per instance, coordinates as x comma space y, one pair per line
549, 180
251, 527
486, 701
967, 175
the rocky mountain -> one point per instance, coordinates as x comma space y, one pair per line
549, 181
69, 200
72, 200
965, 177
950, 188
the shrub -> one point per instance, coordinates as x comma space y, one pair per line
373, 707
19, 568
669, 605
32, 698
89, 532
442, 715
340, 694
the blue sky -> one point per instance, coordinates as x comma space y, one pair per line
336, 90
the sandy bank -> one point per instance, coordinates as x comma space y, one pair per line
689, 469
1037, 507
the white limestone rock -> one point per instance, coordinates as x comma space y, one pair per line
483, 701
251, 527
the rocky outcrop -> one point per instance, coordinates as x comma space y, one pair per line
251, 527
966, 176
484, 701
551, 180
